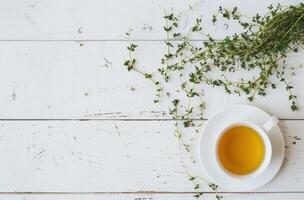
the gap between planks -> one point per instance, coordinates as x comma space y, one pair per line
142, 192
121, 119
104, 40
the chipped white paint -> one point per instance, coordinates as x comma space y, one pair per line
55, 80
63, 60
114, 156
110, 19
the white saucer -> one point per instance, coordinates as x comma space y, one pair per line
207, 143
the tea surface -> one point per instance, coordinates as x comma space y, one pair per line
241, 150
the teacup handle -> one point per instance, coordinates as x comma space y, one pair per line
270, 123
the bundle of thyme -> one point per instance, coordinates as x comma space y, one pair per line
260, 49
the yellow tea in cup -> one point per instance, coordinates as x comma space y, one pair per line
241, 150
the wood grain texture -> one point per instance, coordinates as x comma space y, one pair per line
110, 19
181, 196
53, 59
55, 80
119, 156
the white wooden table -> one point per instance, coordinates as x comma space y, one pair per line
73, 129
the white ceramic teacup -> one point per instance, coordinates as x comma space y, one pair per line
262, 131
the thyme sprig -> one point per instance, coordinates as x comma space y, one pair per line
130, 63
278, 33
260, 50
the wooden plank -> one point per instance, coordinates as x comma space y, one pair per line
54, 80
110, 19
116, 156
181, 196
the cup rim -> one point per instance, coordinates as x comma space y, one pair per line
267, 156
